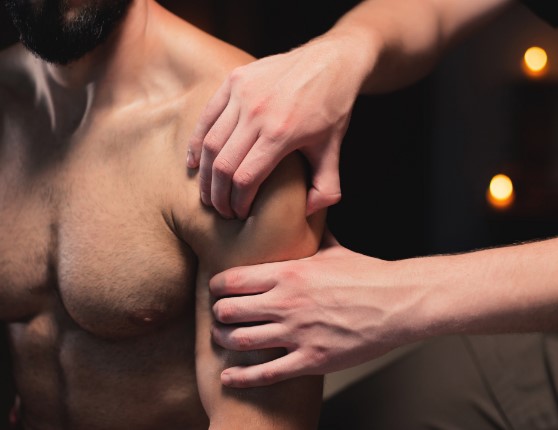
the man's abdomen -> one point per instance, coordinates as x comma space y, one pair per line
69, 379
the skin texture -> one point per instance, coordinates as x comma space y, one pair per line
267, 109
389, 44
339, 308
106, 249
312, 323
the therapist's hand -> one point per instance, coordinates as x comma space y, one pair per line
330, 311
300, 100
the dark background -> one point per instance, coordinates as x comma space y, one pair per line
416, 163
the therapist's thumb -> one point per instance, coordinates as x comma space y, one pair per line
326, 188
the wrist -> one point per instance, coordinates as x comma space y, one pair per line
355, 50
395, 288
427, 299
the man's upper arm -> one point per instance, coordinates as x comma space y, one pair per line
276, 230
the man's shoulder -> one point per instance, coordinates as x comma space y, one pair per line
192, 47
276, 229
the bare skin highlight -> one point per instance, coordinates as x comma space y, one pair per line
107, 251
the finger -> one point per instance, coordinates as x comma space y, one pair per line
318, 200
226, 164
213, 142
326, 187
254, 169
209, 116
250, 338
244, 309
286, 367
242, 281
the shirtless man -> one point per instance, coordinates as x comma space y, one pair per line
105, 247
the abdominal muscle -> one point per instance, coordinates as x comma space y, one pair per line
70, 379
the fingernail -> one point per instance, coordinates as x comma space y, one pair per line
226, 379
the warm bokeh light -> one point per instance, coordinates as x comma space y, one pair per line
535, 61
500, 192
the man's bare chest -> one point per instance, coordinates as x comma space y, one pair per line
85, 228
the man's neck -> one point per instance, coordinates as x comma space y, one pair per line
108, 77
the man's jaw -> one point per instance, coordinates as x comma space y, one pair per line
109, 74
64, 31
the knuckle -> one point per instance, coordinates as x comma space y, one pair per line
284, 307
233, 279
319, 356
291, 275
269, 375
243, 179
256, 110
293, 303
237, 75
223, 312
279, 132
241, 341
222, 167
211, 143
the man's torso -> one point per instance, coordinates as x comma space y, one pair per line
97, 289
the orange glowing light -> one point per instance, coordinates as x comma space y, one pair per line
500, 193
535, 62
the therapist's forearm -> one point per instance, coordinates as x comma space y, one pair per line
502, 290
396, 42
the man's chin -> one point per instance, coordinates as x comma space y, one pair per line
50, 34
59, 57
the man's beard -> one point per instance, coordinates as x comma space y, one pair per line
59, 33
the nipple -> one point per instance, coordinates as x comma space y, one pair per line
147, 317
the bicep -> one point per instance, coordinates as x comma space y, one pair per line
277, 230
